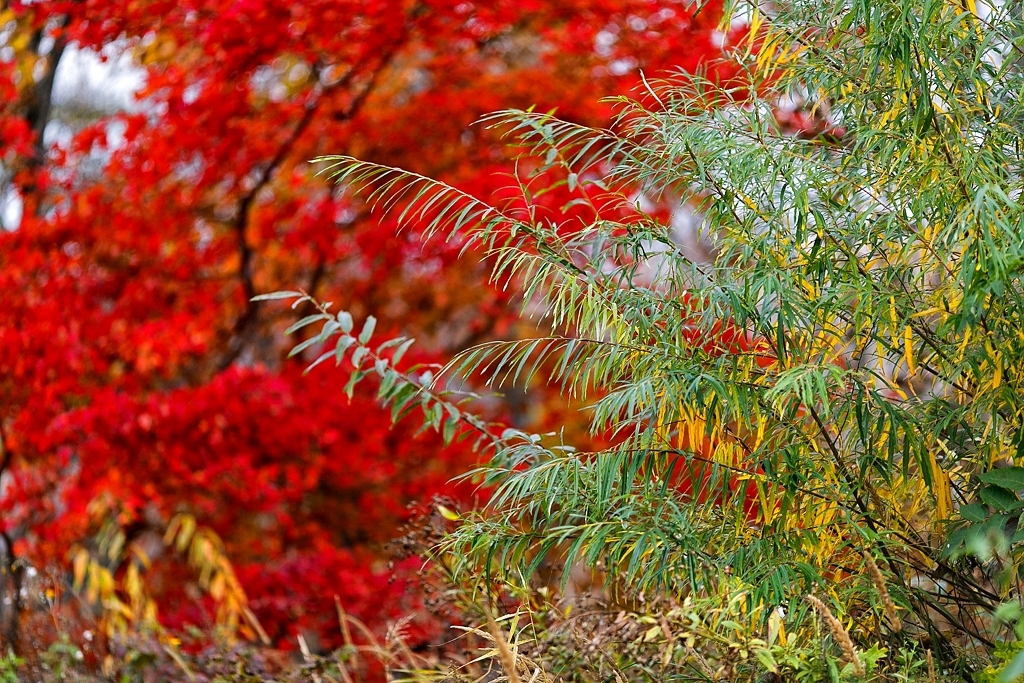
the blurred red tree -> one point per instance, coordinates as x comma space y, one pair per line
137, 377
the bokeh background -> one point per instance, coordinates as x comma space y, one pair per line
155, 175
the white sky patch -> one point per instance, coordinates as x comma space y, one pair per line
85, 78
10, 208
88, 86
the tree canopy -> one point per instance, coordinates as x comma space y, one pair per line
141, 387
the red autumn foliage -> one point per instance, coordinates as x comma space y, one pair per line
134, 368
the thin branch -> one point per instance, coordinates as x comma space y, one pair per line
247, 320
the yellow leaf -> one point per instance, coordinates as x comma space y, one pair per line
908, 348
940, 488
20, 41
776, 629
448, 514
217, 586
755, 26
81, 562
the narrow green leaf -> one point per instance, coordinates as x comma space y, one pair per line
272, 296
304, 345
400, 351
345, 321
368, 328
324, 356
308, 320
344, 342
